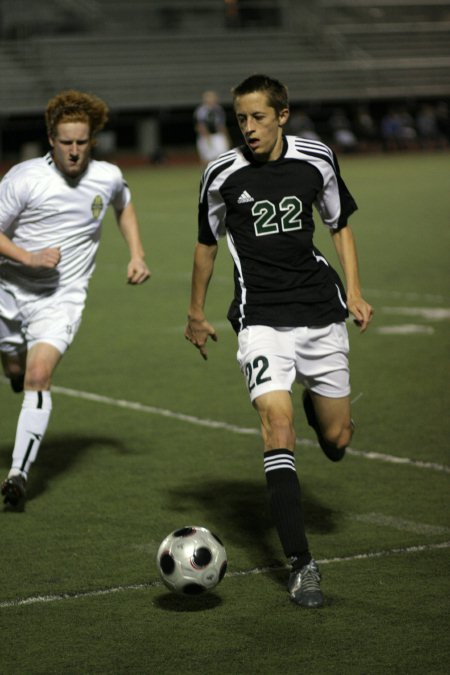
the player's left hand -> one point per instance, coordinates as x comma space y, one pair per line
362, 312
137, 271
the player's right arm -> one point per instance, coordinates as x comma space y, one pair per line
14, 198
198, 329
46, 257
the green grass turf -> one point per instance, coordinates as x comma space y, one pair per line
111, 482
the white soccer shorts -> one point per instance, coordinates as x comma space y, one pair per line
271, 359
210, 147
26, 319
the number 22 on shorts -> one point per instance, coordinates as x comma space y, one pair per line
255, 372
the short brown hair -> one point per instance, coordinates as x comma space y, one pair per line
76, 106
277, 93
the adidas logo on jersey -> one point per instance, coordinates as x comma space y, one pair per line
245, 198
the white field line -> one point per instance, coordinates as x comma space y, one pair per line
401, 524
77, 595
249, 431
405, 329
401, 296
163, 412
430, 313
393, 459
215, 424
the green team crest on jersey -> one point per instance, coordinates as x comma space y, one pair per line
97, 206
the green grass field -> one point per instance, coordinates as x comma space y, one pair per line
131, 454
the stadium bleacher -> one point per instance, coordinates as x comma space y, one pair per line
327, 50
145, 57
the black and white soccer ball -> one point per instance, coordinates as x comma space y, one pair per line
191, 560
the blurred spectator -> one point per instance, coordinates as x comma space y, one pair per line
397, 130
210, 127
257, 14
427, 126
443, 121
232, 14
365, 128
300, 124
341, 128
390, 130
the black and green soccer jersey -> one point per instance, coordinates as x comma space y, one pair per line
266, 212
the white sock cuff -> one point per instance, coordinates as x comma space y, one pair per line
37, 400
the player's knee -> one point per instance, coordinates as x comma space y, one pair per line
278, 430
38, 377
339, 435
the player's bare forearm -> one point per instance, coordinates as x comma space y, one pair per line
202, 271
198, 330
344, 242
46, 257
137, 271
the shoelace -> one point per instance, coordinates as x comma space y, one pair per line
307, 579
310, 578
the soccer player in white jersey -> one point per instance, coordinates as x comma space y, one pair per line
289, 307
51, 211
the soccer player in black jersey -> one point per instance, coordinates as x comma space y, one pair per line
290, 306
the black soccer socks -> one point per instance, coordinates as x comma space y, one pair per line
286, 504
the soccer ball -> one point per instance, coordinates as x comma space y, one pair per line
191, 560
